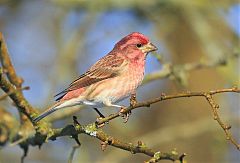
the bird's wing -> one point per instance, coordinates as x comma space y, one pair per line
107, 67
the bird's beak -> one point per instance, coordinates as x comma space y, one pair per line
149, 48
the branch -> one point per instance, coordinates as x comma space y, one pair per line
8, 127
12, 87
94, 131
10, 71
16, 90
7, 64
18, 98
216, 117
207, 95
178, 72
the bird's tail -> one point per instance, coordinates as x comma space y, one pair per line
48, 111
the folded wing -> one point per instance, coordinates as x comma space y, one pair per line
107, 67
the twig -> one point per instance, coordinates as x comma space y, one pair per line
7, 64
9, 93
17, 97
207, 95
92, 130
167, 97
173, 71
10, 71
216, 117
157, 157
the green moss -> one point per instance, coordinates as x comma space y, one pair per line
91, 129
157, 155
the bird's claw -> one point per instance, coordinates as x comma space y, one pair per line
102, 124
125, 114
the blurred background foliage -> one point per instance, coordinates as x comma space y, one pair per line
52, 42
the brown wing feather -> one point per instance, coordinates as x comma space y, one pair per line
107, 67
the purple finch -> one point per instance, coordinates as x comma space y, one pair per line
111, 79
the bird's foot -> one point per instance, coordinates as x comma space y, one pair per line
98, 120
125, 114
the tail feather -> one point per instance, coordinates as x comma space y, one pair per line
47, 112
43, 115
57, 106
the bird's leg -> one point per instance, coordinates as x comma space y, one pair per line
123, 112
99, 113
76, 123
99, 118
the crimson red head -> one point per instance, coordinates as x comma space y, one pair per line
132, 39
135, 46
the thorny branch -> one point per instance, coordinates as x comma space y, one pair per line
12, 87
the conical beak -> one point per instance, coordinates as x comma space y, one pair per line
149, 48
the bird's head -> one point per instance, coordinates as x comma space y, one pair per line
135, 45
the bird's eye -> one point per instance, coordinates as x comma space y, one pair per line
139, 45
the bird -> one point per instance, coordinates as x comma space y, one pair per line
111, 79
